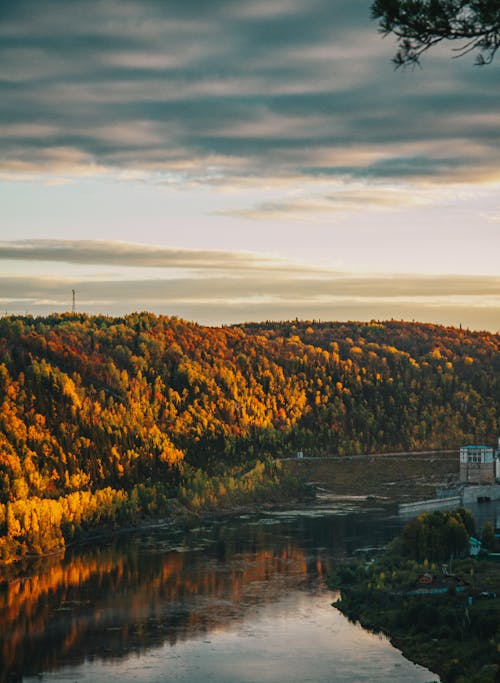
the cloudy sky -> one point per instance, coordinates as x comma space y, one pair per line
228, 160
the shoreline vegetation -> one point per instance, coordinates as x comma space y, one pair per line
40, 527
106, 420
436, 604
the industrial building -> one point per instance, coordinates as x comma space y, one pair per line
479, 464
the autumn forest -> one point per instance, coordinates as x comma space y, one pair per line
105, 420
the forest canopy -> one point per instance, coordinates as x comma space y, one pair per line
114, 415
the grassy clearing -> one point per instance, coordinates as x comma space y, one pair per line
396, 478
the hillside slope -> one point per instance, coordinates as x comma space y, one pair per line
89, 404
94, 401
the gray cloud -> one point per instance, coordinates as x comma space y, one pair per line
343, 200
191, 274
285, 286
195, 274
112, 253
471, 301
252, 88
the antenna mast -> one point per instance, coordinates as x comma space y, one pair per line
73, 307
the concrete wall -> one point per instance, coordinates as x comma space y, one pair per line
477, 472
429, 505
472, 493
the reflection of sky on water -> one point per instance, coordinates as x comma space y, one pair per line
300, 639
240, 599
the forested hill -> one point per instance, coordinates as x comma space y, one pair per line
97, 401
103, 420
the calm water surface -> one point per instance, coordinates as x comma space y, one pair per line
235, 600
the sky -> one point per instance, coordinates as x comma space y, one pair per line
228, 161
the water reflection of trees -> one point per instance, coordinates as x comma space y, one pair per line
165, 586
111, 601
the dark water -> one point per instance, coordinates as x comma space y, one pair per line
235, 600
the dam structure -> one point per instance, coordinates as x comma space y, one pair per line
479, 482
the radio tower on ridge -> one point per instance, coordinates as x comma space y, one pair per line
73, 306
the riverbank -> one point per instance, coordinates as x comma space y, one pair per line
37, 527
443, 617
440, 632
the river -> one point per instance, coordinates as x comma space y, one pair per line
234, 600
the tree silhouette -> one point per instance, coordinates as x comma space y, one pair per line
421, 24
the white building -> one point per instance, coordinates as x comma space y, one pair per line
479, 464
